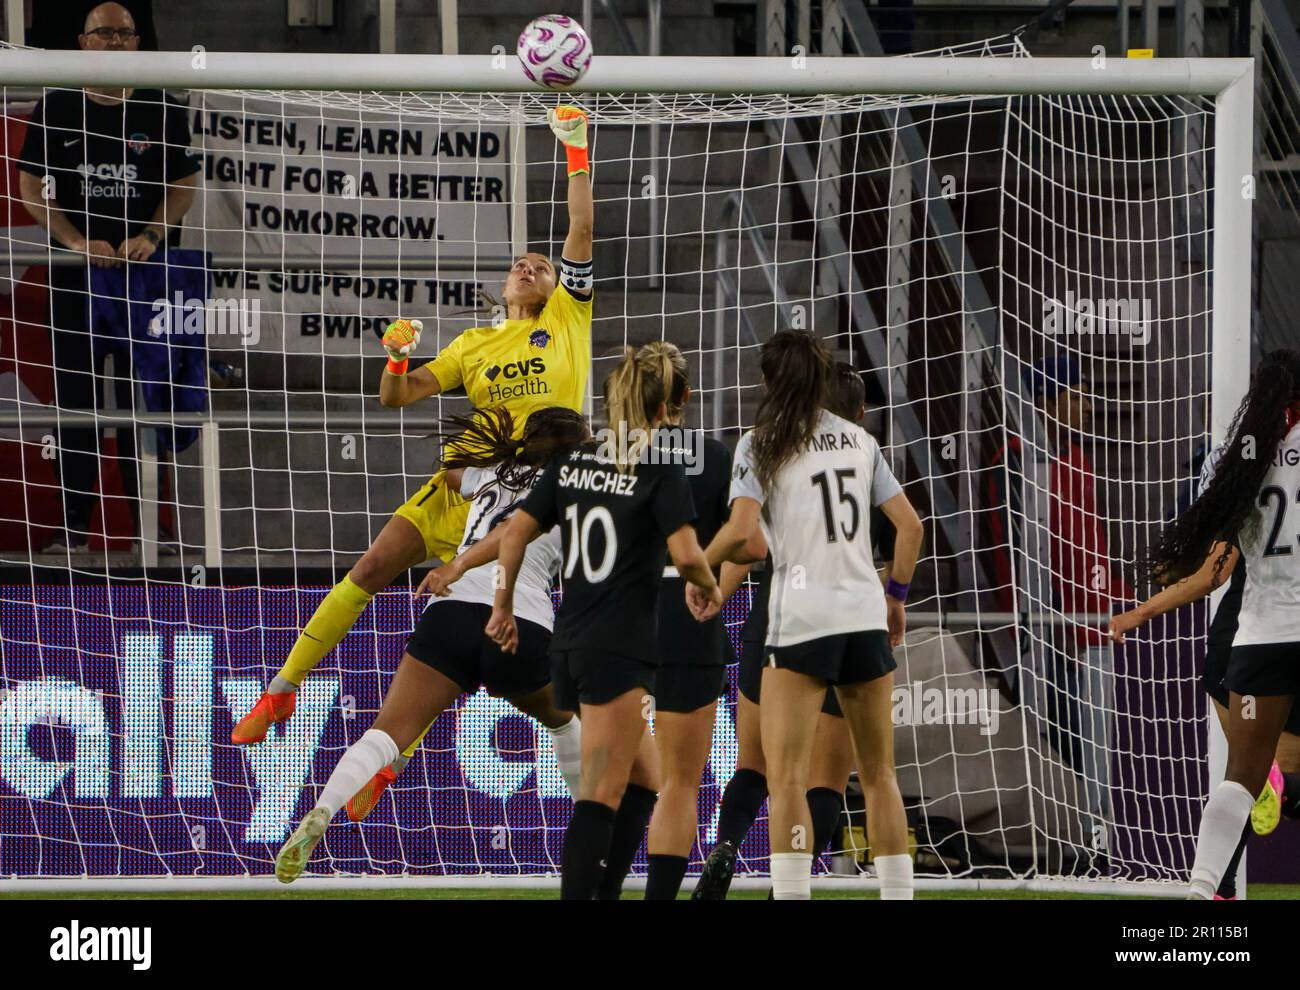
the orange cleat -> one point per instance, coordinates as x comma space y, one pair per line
270, 708
363, 801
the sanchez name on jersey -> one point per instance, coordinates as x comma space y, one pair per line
614, 526
815, 519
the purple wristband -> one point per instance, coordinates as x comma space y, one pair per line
896, 590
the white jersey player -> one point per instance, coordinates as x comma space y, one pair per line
448, 654
1252, 500
815, 517
808, 480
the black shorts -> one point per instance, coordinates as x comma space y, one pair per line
1215, 669
595, 677
449, 638
683, 640
750, 678
685, 687
845, 658
1267, 670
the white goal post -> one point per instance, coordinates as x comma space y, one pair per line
900, 82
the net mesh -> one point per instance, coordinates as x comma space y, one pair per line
930, 241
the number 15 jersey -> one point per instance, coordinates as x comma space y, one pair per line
815, 517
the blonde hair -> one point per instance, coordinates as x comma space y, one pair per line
644, 380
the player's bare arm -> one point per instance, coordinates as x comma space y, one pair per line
519, 532
1190, 589
569, 123
736, 534
907, 548
439, 580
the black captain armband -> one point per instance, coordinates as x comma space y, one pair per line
577, 277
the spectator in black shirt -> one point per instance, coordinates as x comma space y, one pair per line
109, 173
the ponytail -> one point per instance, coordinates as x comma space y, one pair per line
634, 391
1227, 509
797, 370
848, 394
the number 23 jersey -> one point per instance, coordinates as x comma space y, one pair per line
1270, 600
816, 519
614, 527
491, 504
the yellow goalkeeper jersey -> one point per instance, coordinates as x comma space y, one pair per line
524, 365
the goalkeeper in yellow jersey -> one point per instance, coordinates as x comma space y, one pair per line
539, 356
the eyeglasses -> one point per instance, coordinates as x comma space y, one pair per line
108, 34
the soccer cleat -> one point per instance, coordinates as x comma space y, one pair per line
293, 855
1219, 897
715, 878
363, 801
270, 708
1268, 806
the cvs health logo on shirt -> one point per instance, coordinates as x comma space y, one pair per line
515, 369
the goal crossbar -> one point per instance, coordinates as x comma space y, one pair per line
881, 75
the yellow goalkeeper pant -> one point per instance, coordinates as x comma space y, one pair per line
439, 513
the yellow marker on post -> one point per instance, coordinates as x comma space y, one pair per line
1141, 53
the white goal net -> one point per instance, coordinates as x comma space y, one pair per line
1024, 282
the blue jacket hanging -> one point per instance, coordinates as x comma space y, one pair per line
160, 306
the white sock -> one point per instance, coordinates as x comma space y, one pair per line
792, 876
895, 873
567, 740
1221, 826
364, 758
281, 685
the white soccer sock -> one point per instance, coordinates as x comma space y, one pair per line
364, 758
792, 876
567, 740
895, 873
1221, 826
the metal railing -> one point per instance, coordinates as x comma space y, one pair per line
60, 257
209, 424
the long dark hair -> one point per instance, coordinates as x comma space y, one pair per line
1226, 509
797, 370
848, 393
486, 438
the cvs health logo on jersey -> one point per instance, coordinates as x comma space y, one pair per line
514, 379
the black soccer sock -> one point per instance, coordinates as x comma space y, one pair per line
825, 805
664, 878
1228, 885
741, 799
629, 829
1291, 795
586, 844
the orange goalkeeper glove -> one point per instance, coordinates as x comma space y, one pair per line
570, 125
399, 340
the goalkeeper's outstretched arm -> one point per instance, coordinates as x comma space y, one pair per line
569, 123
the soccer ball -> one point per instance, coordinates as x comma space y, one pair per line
554, 51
